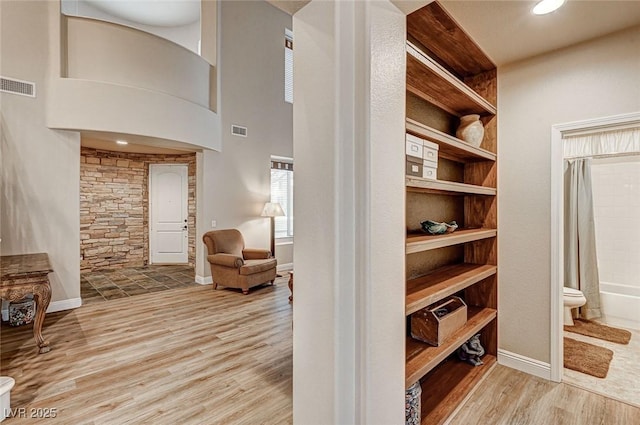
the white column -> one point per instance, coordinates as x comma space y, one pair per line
349, 90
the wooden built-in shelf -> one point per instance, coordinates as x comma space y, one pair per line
442, 282
422, 357
444, 187
450, 147
434, 27
418, 242
430, 81
448, 385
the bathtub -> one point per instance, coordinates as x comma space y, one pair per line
620, 304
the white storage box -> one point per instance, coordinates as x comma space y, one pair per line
430, 152
414, 148
429, 170
414, 168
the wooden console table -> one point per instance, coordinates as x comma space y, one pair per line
21, 275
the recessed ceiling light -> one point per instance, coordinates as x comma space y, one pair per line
122, 142
547, 6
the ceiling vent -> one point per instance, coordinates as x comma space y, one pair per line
237, 130
23, 88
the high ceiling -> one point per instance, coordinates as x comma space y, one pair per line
507, 30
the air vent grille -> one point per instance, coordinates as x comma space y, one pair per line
23, 88
237, 130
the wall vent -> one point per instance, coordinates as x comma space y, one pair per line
23, 88
237, 130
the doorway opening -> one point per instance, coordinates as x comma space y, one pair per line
116, 215
596, 148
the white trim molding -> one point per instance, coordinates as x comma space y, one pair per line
54, 306
62, 305
204, 280
285, 267
525, 364
557, 222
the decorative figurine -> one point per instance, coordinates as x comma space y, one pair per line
436, 228
471, 351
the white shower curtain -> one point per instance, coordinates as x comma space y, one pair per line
581, 261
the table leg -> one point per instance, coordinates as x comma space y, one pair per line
42, 297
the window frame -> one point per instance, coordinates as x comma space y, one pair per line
283, 165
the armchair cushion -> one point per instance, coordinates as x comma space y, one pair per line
226, 260
256, 266
256, 254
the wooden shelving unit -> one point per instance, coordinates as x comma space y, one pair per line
425, 290
418, 184
449, 76
450, 147
422, 358
449, 384
426, 76
422, 242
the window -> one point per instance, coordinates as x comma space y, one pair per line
288, 66
282, 192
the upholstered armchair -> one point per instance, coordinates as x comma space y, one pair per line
234, 266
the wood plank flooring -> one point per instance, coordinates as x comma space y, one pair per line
509, 397
199, 356
181, 356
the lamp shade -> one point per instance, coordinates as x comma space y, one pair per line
272, 209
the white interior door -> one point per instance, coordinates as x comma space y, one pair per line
168, 230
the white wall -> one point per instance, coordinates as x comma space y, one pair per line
184, 35
40, 207
95, 51
349, 332
236, 181
616, 205
152, 87
590, 80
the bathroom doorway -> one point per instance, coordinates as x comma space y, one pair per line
607, 152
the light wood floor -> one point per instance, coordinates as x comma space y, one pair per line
198, 356
509, 397
182, 356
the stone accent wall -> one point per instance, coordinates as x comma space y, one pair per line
114, 207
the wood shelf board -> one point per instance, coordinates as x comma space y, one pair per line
429, 80
448, 385
422, 358
442, 282
446, 187
432, 26
417, 242
450, 147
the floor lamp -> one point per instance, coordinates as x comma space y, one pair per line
272, 210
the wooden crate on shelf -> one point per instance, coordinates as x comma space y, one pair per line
436, 323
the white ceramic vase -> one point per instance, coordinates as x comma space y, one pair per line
471, 129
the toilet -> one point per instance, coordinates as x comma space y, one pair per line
6, 383
572, 298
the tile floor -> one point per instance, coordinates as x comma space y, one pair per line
110, 284
622, 381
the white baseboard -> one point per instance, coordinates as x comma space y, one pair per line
204, 280
524, 364
64, 305
53, 306
285, 267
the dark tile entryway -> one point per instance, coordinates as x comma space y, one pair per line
110, 284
